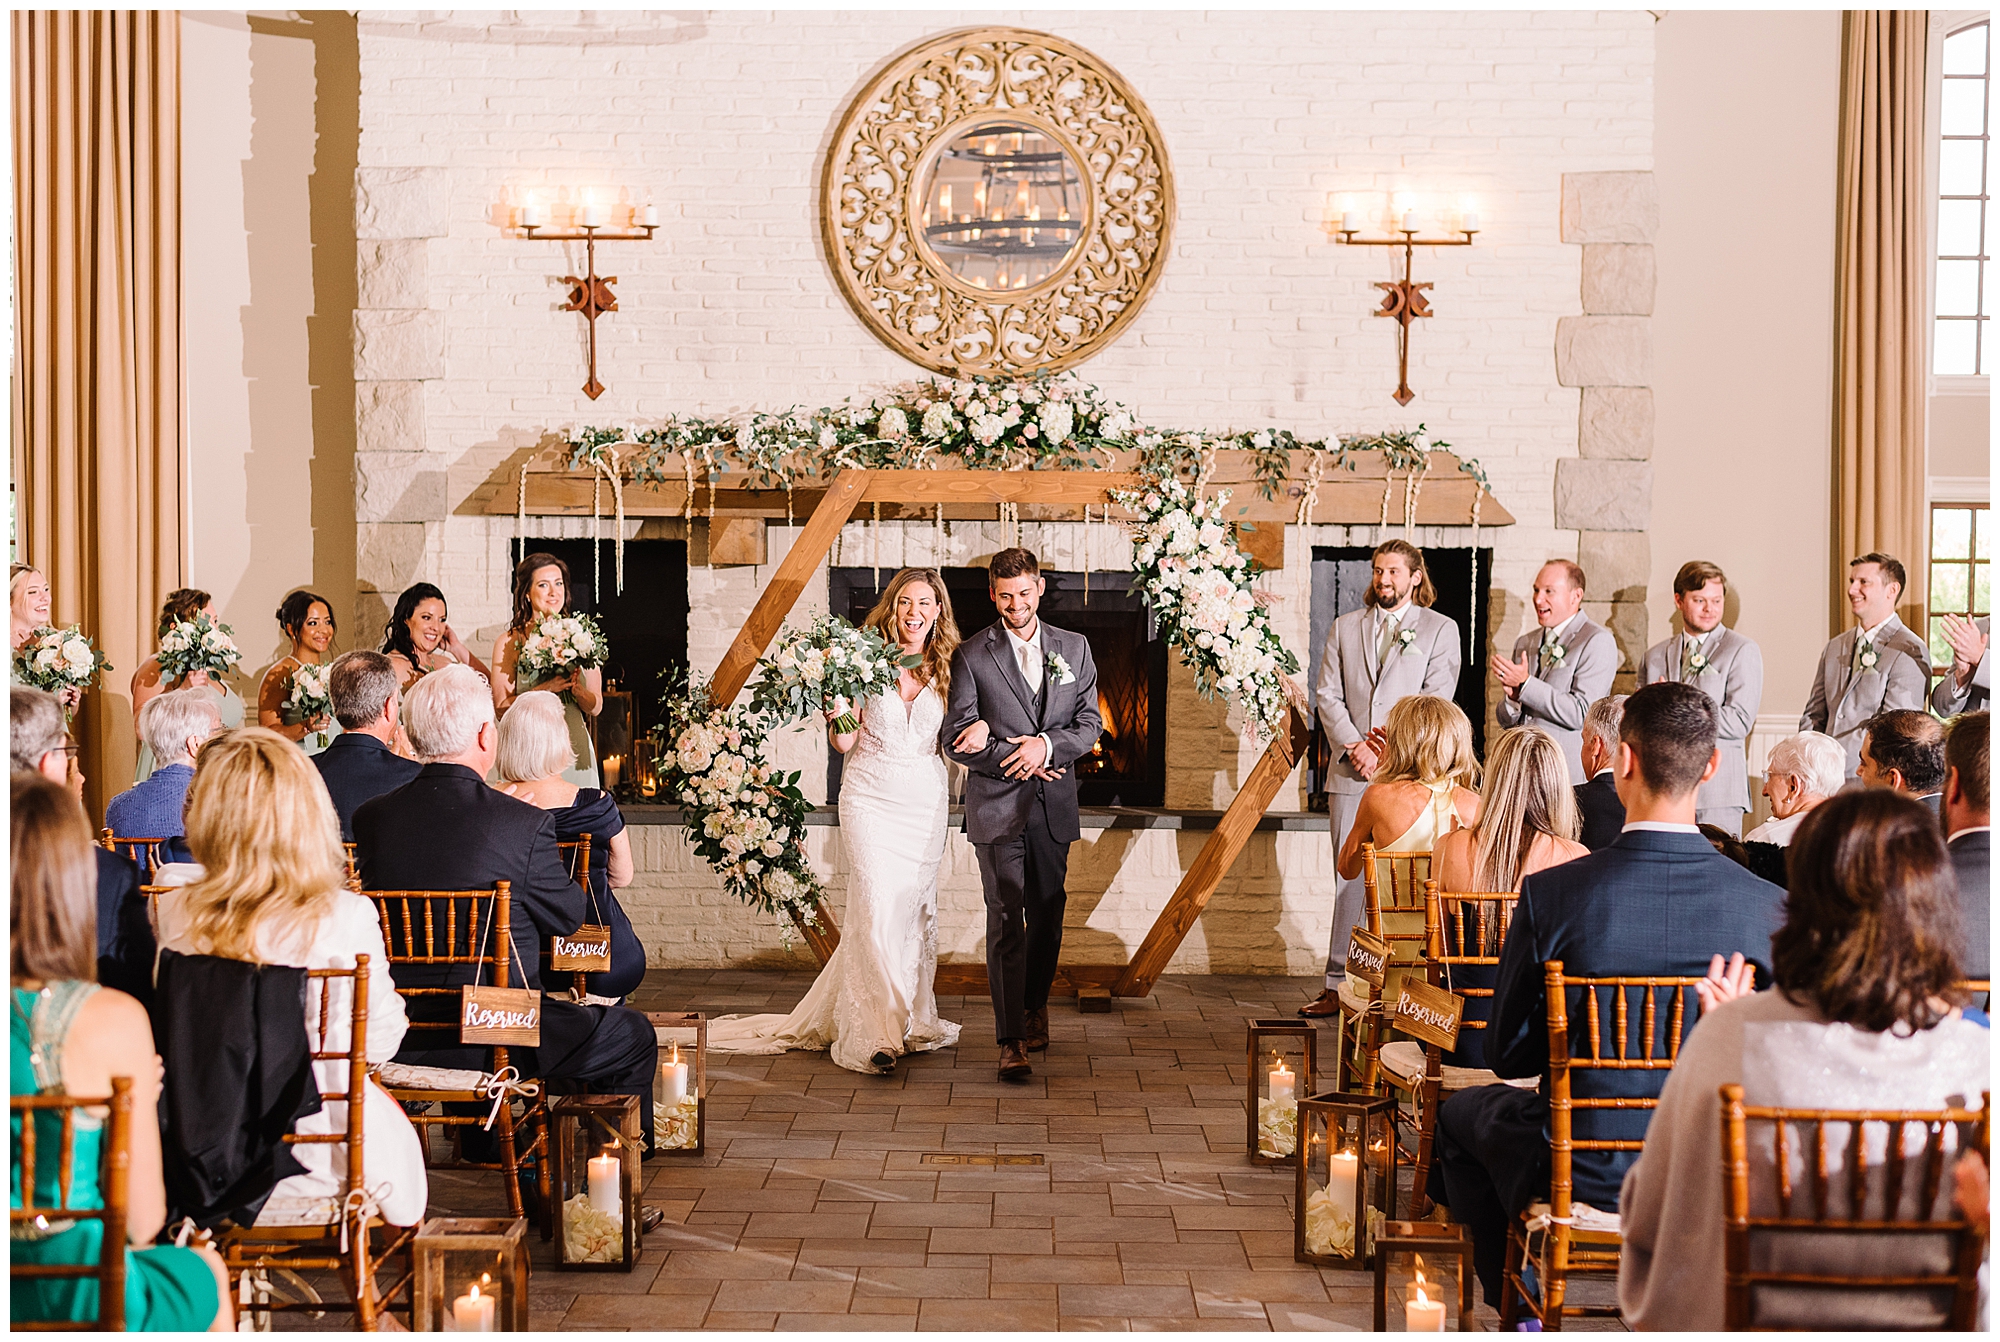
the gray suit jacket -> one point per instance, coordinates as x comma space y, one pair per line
1948, 700
1556, 700
1734, 679
1356, 692
1841, 703
986, 683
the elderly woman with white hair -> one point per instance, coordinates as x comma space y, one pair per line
1803, 772
535, 754
174, 726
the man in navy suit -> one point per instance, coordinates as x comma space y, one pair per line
1903, 750
1968, 822
1597, 800
1659, 901
358, 765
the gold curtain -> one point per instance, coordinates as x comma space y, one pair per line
97, 415
1881, 265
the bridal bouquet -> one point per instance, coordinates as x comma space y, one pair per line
831, 660
58, 660
310, 697
557, 645
200, 644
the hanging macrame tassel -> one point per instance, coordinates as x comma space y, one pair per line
937, 537
1472, 618
875, 547
521, 517
596, 546
1086, 551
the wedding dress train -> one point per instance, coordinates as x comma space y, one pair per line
875, 995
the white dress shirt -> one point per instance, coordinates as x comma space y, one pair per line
1029, 658
1660, 827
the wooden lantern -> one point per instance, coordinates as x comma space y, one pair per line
1438, 1248
680, 1082
470, 1275
1346, 1178
596, 1141
1283, 1060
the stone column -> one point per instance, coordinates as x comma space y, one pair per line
399, 486
1605, 492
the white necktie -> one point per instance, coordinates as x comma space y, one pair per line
1031, 667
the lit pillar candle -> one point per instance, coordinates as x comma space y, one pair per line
612, 765
473, 1311
1284, 1084
650, 216
1350, 222
588, 216
604, 1191
1409, 221
531, 213
673, 1080
1421, 1314
1341, 1170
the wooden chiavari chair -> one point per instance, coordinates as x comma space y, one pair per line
1838, 1178
353, 870
113, 1182
433, 930
1651, 1043
576, 854
150, 853
350, 1239
1393, 909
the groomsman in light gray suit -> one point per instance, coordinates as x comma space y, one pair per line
1873, 668
1968, 686
1729, 669
1560, 669
1393, 647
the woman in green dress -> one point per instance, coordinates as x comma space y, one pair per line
149, 681
541, 588
71, 1036
307, 620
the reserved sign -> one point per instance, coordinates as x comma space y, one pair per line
1367, 957
587, 949
1427, 1013
499, 1016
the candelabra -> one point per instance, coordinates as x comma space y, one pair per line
590, 293
1403, 300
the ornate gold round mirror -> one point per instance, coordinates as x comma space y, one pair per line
996, 201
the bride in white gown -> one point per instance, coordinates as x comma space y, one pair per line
874, 1001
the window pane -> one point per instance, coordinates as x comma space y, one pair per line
1982, 527
1951, 534
1964, 107
1940, 647
1960, 168
1951, 587
1958, 228
1965, 51
1952, 348
1982, 589
1958, 288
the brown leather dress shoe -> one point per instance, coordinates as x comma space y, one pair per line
1037, 1024
1326, 1004
1014, 1064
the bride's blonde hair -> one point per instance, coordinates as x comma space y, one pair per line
939, 644
1430, 741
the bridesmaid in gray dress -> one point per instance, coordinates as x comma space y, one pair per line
541, 588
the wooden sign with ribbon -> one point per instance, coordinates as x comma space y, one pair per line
1427, 1013
587, 949
1367, 957
488, 1015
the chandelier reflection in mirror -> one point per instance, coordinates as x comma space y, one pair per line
1004, 205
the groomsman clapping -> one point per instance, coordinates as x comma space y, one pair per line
1562, 668
1729, 669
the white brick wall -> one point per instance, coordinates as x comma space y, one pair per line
721, 120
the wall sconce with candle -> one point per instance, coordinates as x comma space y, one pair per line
1403, 300
591, 292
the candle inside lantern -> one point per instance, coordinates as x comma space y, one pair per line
473, 1311
612, 765
604, 1191
1342, 1168
1284, 1084
673, 1080
1421, 1314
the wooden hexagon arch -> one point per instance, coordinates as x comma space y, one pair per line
851, 488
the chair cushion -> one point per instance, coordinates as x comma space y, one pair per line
1353, 997
404, 1076
1587, 1223
1403, 1060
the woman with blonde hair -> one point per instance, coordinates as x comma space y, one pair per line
874, 1001
268, 887
27, 601
1421, 792
1527, 818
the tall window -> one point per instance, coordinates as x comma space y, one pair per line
1961, 580
1964, 223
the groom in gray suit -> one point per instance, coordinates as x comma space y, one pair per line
1023, 708
1560, 669
1729, 669
1393, 647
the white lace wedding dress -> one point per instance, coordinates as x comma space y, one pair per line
875, 995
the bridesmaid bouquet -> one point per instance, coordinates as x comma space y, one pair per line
831, 660
200, 644
557, 645
311, 694
59, 660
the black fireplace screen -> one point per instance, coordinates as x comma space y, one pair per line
1129, 765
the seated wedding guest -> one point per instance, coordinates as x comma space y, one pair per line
1726, 844
175, 725
361, 764
419, 639
447, 830
1969, 836
38, 743
1659, 901
269, 886
1968, 685
27, 601
1597, 799
1872, 668
148, 681
71, 1036
1862, 1019
1904, 752
307, 620
1803, 771
534, 751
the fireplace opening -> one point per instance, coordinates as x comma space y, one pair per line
1340, 578
1128, 766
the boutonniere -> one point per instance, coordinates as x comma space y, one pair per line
1697, 662
1060, 670
1554, 652
1868, 656
1406, 639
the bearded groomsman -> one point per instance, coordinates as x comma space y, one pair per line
1561, 669
1391, 648
1729, 669
1873, 668
1968, 685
